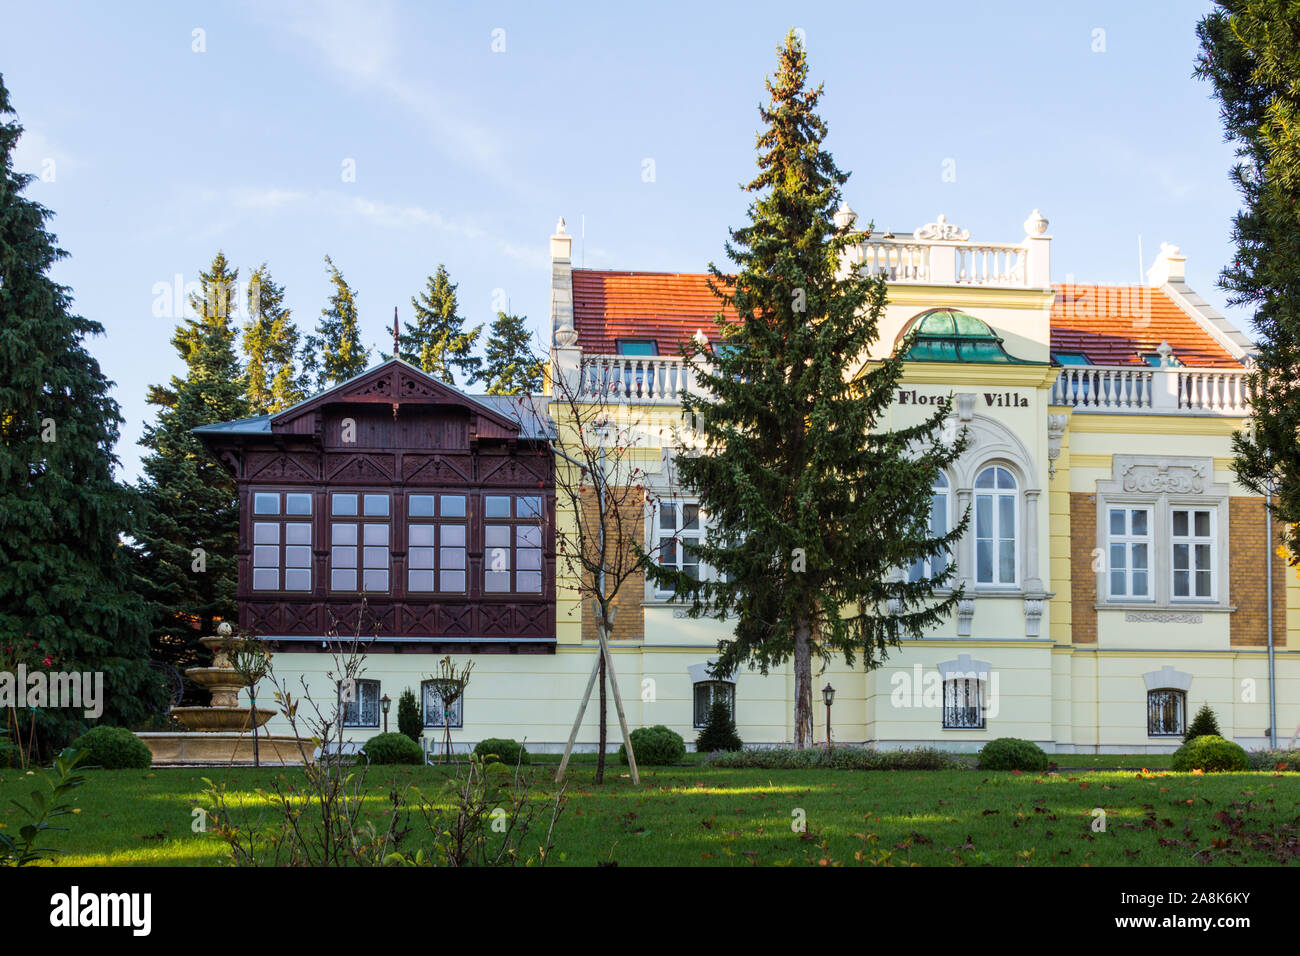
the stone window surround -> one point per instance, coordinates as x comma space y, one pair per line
1146, 480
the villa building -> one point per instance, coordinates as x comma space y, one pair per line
1115, 574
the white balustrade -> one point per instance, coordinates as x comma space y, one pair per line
1223, 391
633, 379
1096, 388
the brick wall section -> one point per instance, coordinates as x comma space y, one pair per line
1246, 571
629, 618
1083, 579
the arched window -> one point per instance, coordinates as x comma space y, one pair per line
995, 527
708, 691
937, 563
1166, 712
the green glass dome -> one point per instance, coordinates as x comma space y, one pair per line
949, 335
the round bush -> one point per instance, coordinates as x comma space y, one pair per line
1012, 753
393, 748
655, 746
1211, 754
501, 749
113, 748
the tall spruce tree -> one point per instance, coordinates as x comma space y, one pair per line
186, 549
1251, 56
511, 367
271, 347
334, 353
814, 505
437, 340
65, 588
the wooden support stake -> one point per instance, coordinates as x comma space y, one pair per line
582, 709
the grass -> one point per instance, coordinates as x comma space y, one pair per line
699, 815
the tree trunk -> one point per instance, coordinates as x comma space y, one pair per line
803, 685
604, 729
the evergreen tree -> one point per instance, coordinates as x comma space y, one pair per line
1251, 55
270, 342
186, 550
511, 366
719, 730
437, 341
65, 591
814, 505
1204, 724
335, 353
409, 719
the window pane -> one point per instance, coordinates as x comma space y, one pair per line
496, 581
497, 559
375, 557
421, 558
452, 559
297, 580
341, 504
266, 579
297, 556
376, 580
343, 534
1004, 479
376, 505
1203, 584
453, 535
1139, 522
297, 504
1180, 523
297, 532
344, 557
528, 506
420, 581
983, 516
1202, 557
1117, 557
529, 559
266, 504
668, 551
938, 516
1202, 524
266, 556
984, 561
985, 479
497, 536
343, 580
1006, 562
451, 580
530, 582
690, 517
376, 534
1140, 584
1116, 521
266, 533
421, 536
938, 564
1180, 557
528, 537
1180, 584
453, 506
1006, 516
1117, 584
916, 571
421, 506
496, 506
1140, 556
668, 517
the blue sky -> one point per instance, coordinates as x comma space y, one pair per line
466, 156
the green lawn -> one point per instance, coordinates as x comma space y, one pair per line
697, 815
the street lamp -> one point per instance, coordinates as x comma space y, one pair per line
828, 695
385, 702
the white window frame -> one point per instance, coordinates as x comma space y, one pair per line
995, 493
1127, 541
942, 488
1192, 541
680, 535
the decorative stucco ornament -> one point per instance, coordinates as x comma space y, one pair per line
941, 228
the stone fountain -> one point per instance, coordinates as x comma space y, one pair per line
222, 732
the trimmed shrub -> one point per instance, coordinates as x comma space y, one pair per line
719, 732
655, 746
837, 758
1204, 724
1012, 753
393, 748
501, 749
409, 720
113, 748
1211, 754
1285, 760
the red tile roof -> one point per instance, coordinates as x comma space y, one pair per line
1112, 325
1118, 325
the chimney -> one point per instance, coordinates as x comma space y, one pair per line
563, 334
1170, 266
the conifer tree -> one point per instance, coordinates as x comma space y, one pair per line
511, 367
65, 591
335, 353
1251, 56
271, 345
437, 341
186, 549
814, 505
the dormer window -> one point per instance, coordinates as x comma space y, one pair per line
638, 347
1070, 358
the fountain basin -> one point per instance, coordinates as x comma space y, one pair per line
217, 719
226, 749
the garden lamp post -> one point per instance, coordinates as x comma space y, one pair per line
385, 702
828, 695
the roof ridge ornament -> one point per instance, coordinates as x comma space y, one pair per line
941, 228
